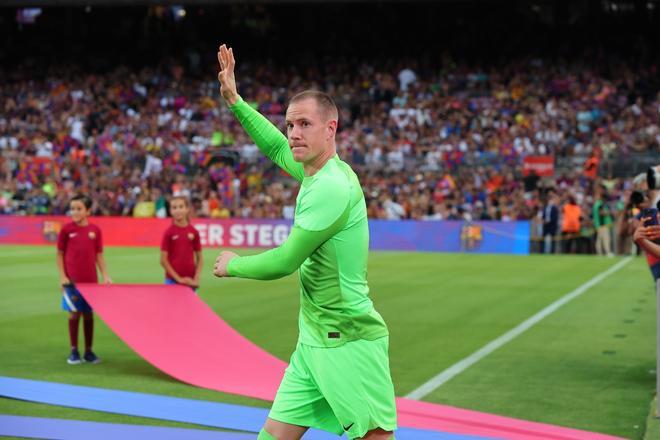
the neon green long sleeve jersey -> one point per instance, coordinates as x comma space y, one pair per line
328, 243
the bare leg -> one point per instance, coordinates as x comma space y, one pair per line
284, 431
379, 434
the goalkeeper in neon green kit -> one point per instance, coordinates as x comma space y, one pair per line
339, 376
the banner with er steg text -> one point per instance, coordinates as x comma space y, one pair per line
404, 235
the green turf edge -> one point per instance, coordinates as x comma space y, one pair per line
652, 431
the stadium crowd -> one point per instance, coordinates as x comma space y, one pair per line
445, 144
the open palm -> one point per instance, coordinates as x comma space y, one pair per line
226, 75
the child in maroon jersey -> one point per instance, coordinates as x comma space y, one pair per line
79, 251
181, 248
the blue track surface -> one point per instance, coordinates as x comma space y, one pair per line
39, 427
199, 412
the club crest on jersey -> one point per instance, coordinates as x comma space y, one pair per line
50, 230
91, 235
190, 236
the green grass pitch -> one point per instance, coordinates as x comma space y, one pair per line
590, 365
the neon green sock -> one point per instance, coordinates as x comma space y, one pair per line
264, 435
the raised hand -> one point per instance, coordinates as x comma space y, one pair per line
226, 75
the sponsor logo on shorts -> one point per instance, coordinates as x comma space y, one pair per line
334, 335
346, 428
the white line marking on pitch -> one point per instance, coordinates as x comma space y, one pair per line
456, 369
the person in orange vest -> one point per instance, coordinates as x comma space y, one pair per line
570, 227
591, 166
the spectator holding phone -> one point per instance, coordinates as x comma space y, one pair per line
647, 236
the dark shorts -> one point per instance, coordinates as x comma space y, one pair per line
73, 301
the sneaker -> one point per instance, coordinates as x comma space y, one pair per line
74, 358
91, 358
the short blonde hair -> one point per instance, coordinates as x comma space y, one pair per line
326, 105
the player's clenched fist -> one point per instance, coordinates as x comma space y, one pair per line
220, 267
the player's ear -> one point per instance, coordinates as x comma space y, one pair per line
331, 128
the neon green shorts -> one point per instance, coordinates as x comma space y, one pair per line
346, 388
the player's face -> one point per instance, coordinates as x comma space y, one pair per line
179, 209
309, 132
79, 211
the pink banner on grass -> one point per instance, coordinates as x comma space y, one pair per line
174, 330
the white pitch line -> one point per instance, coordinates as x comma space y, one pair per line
456, 369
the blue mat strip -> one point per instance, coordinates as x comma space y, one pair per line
61, 429
199, 412
219, 415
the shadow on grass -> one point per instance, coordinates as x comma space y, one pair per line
137, 369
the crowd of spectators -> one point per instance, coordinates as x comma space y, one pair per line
428, 145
